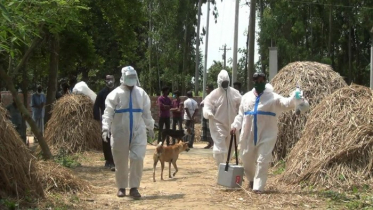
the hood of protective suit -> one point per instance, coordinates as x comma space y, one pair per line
223, 76
129, 76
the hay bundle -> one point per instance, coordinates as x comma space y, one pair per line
59, 179
17, 166
72, 127
336, 148
317, 81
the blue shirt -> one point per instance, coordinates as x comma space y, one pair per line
36, 100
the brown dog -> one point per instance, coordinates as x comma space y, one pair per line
168, 154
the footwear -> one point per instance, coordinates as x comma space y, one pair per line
208, 146
112, 167
107, 164
121, 192
134, 193
258, 192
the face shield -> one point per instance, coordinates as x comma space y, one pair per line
129, 77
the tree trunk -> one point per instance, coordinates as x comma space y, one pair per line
26, 114
251, 51
52, 79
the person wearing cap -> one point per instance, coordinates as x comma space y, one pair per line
220, 108
98, 110
257, 119
125, 121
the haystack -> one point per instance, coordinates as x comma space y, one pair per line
59, 179
336, 148
317, 81
72, 127
17, 166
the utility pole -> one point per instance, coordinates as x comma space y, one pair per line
234, 69
196, 75
206, 49
251, 51
225, 54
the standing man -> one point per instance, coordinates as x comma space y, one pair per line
206, 135
177, 112
126, 117
257, 119
164, 103
237, 86
220, 108
98, 111
37, 104
16, 118
191, 111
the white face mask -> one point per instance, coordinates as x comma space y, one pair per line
110, 83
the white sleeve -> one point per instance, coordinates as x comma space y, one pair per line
111, 103
237, 123
147, 115
207, 107
285, 104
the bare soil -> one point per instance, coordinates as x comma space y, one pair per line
193, 187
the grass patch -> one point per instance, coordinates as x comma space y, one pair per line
69, 161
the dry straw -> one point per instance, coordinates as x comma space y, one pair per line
336, 148
317, 81
59, 179
17, 166
72, 127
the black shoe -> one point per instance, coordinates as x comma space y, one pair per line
121, 192
107, 164
134, 193
112, 167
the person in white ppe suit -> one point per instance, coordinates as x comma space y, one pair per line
220, 108
125, 120
257, 119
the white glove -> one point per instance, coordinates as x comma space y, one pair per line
151, 134
210, 115
105, 136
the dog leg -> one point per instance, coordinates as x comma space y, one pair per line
162, 166
169, 170
175, 166
154, 165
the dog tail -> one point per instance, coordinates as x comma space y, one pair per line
159, 149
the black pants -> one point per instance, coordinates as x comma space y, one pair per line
176, 121
107, 151
189, 124
163, 121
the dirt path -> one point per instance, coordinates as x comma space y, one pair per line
194, 187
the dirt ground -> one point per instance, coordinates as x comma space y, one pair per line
194, 187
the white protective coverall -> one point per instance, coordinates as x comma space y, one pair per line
127, 115
220, 107
257, 119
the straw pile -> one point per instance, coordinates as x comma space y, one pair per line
317, 81
17, 172
59, 179
72, 127
336, 148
